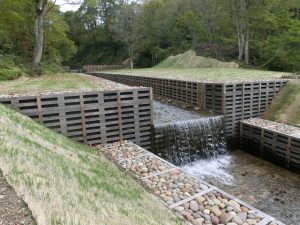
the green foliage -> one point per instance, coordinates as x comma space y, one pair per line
10, 74
8, 67
47, 69
159, 28
16, 32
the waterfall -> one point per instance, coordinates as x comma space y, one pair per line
187, 141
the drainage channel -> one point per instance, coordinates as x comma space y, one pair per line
193, 200
181, 136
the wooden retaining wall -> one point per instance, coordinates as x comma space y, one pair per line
92, 117
271, 145
89, 68
236, 101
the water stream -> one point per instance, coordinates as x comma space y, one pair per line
196, 142
182, 137
270, 188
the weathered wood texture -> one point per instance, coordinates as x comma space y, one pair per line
92, 117
236, 101
271, 145
89, 68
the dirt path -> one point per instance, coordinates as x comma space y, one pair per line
13, 210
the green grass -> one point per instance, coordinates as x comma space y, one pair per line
189, 59
64, 182
203, 74
286, 105
57, 82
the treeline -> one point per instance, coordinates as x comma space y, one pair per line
256, 33
22, 25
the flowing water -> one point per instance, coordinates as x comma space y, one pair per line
182, 137
270, 188
197, 142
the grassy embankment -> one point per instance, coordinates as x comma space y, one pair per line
286, 105
64, 182
203, 74
57, 82
189, 59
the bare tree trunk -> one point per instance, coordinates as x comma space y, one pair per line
247, 48
39, 7
131, 63
130, 57
241, 43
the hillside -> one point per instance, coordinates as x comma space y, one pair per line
189, 59
286, 105
65, 183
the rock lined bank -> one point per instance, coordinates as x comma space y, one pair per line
193, 200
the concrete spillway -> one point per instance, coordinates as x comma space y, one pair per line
186, 140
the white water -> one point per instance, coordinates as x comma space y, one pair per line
187, 141
213, 168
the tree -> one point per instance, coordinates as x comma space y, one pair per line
241, 20
126, 26
39, 9
22, 36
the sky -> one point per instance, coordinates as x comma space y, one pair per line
67, 7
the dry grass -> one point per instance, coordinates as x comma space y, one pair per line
203, 74
64, 182
57, 83
286, 105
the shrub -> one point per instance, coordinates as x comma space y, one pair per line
47, 69
10, 74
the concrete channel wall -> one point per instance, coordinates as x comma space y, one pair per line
236, 101
273, 141
92, 117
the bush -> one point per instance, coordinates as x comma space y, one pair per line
6, 61
47, 69
10, 74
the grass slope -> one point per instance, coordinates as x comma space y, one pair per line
58, 82
203, 74
189, 59
286, 105
64, 182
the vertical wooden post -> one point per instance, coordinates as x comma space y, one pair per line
261, 146
243, 100
40, 110
62, 114
102, 124
120, 115
288, 152
84, 133
136, 117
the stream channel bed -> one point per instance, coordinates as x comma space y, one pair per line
270, 188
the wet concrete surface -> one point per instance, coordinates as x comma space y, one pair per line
272, 189
167, 113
